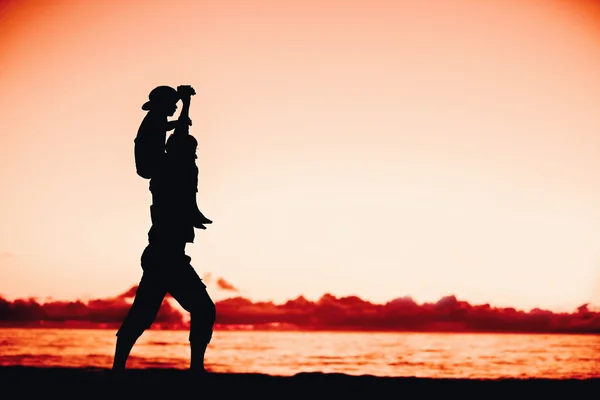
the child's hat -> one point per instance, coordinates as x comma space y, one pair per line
161, 94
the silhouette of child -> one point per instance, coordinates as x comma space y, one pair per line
150, 156
149, 144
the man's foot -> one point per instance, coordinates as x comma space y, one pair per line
115, 374
198, 373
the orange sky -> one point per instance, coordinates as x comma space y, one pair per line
376, 148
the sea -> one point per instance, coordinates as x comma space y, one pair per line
432, 355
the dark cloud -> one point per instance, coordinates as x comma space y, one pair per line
403, 314
108, 311
449, 314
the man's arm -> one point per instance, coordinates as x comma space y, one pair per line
185, 92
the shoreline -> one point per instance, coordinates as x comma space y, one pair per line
97, 381
239, 328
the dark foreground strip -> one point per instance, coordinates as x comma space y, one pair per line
29, 382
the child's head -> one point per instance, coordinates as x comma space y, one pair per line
162, 99
182, 146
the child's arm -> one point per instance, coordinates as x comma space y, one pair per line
174, 123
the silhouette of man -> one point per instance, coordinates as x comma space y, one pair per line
166, 267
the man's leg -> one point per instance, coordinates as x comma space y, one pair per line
201, 328
148, 299
188, 289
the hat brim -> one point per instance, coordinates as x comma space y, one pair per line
173, 98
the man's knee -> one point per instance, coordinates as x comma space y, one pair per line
137, 321
211, 310
205, 307
202, 321
133, 329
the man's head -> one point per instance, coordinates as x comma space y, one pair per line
182, 146
162, 99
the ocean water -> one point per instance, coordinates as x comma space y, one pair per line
287, 353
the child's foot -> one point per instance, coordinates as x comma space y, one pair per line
205, 220
199, 225
200, 220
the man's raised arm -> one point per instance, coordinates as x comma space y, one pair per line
184, 122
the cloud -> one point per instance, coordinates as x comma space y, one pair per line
110, 311
449, 314
403, 314
224, 285
6, 254
207, 277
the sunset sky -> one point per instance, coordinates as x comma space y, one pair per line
372, 148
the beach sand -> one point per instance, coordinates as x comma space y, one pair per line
99, 383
